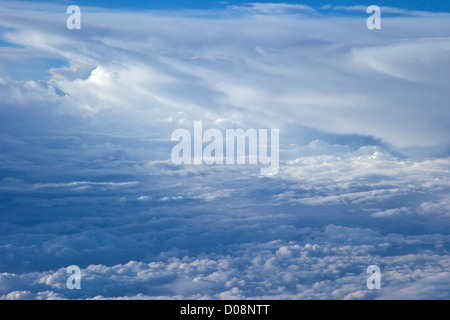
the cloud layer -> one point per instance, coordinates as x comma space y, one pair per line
86, 177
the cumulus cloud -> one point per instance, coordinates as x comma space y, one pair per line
86, 176
272, 270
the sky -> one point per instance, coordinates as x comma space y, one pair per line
433, 5
86, 176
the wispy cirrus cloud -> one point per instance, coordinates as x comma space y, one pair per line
388, 10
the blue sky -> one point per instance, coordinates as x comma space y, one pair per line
86, 176
437, 6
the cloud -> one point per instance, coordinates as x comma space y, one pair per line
86, 176
272, 8
387, 9
276, 269
274, 74
167, 239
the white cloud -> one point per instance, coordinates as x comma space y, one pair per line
277, 269
272, 8
388, 9
86, 177
322, 73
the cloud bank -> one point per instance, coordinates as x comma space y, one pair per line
86, 176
